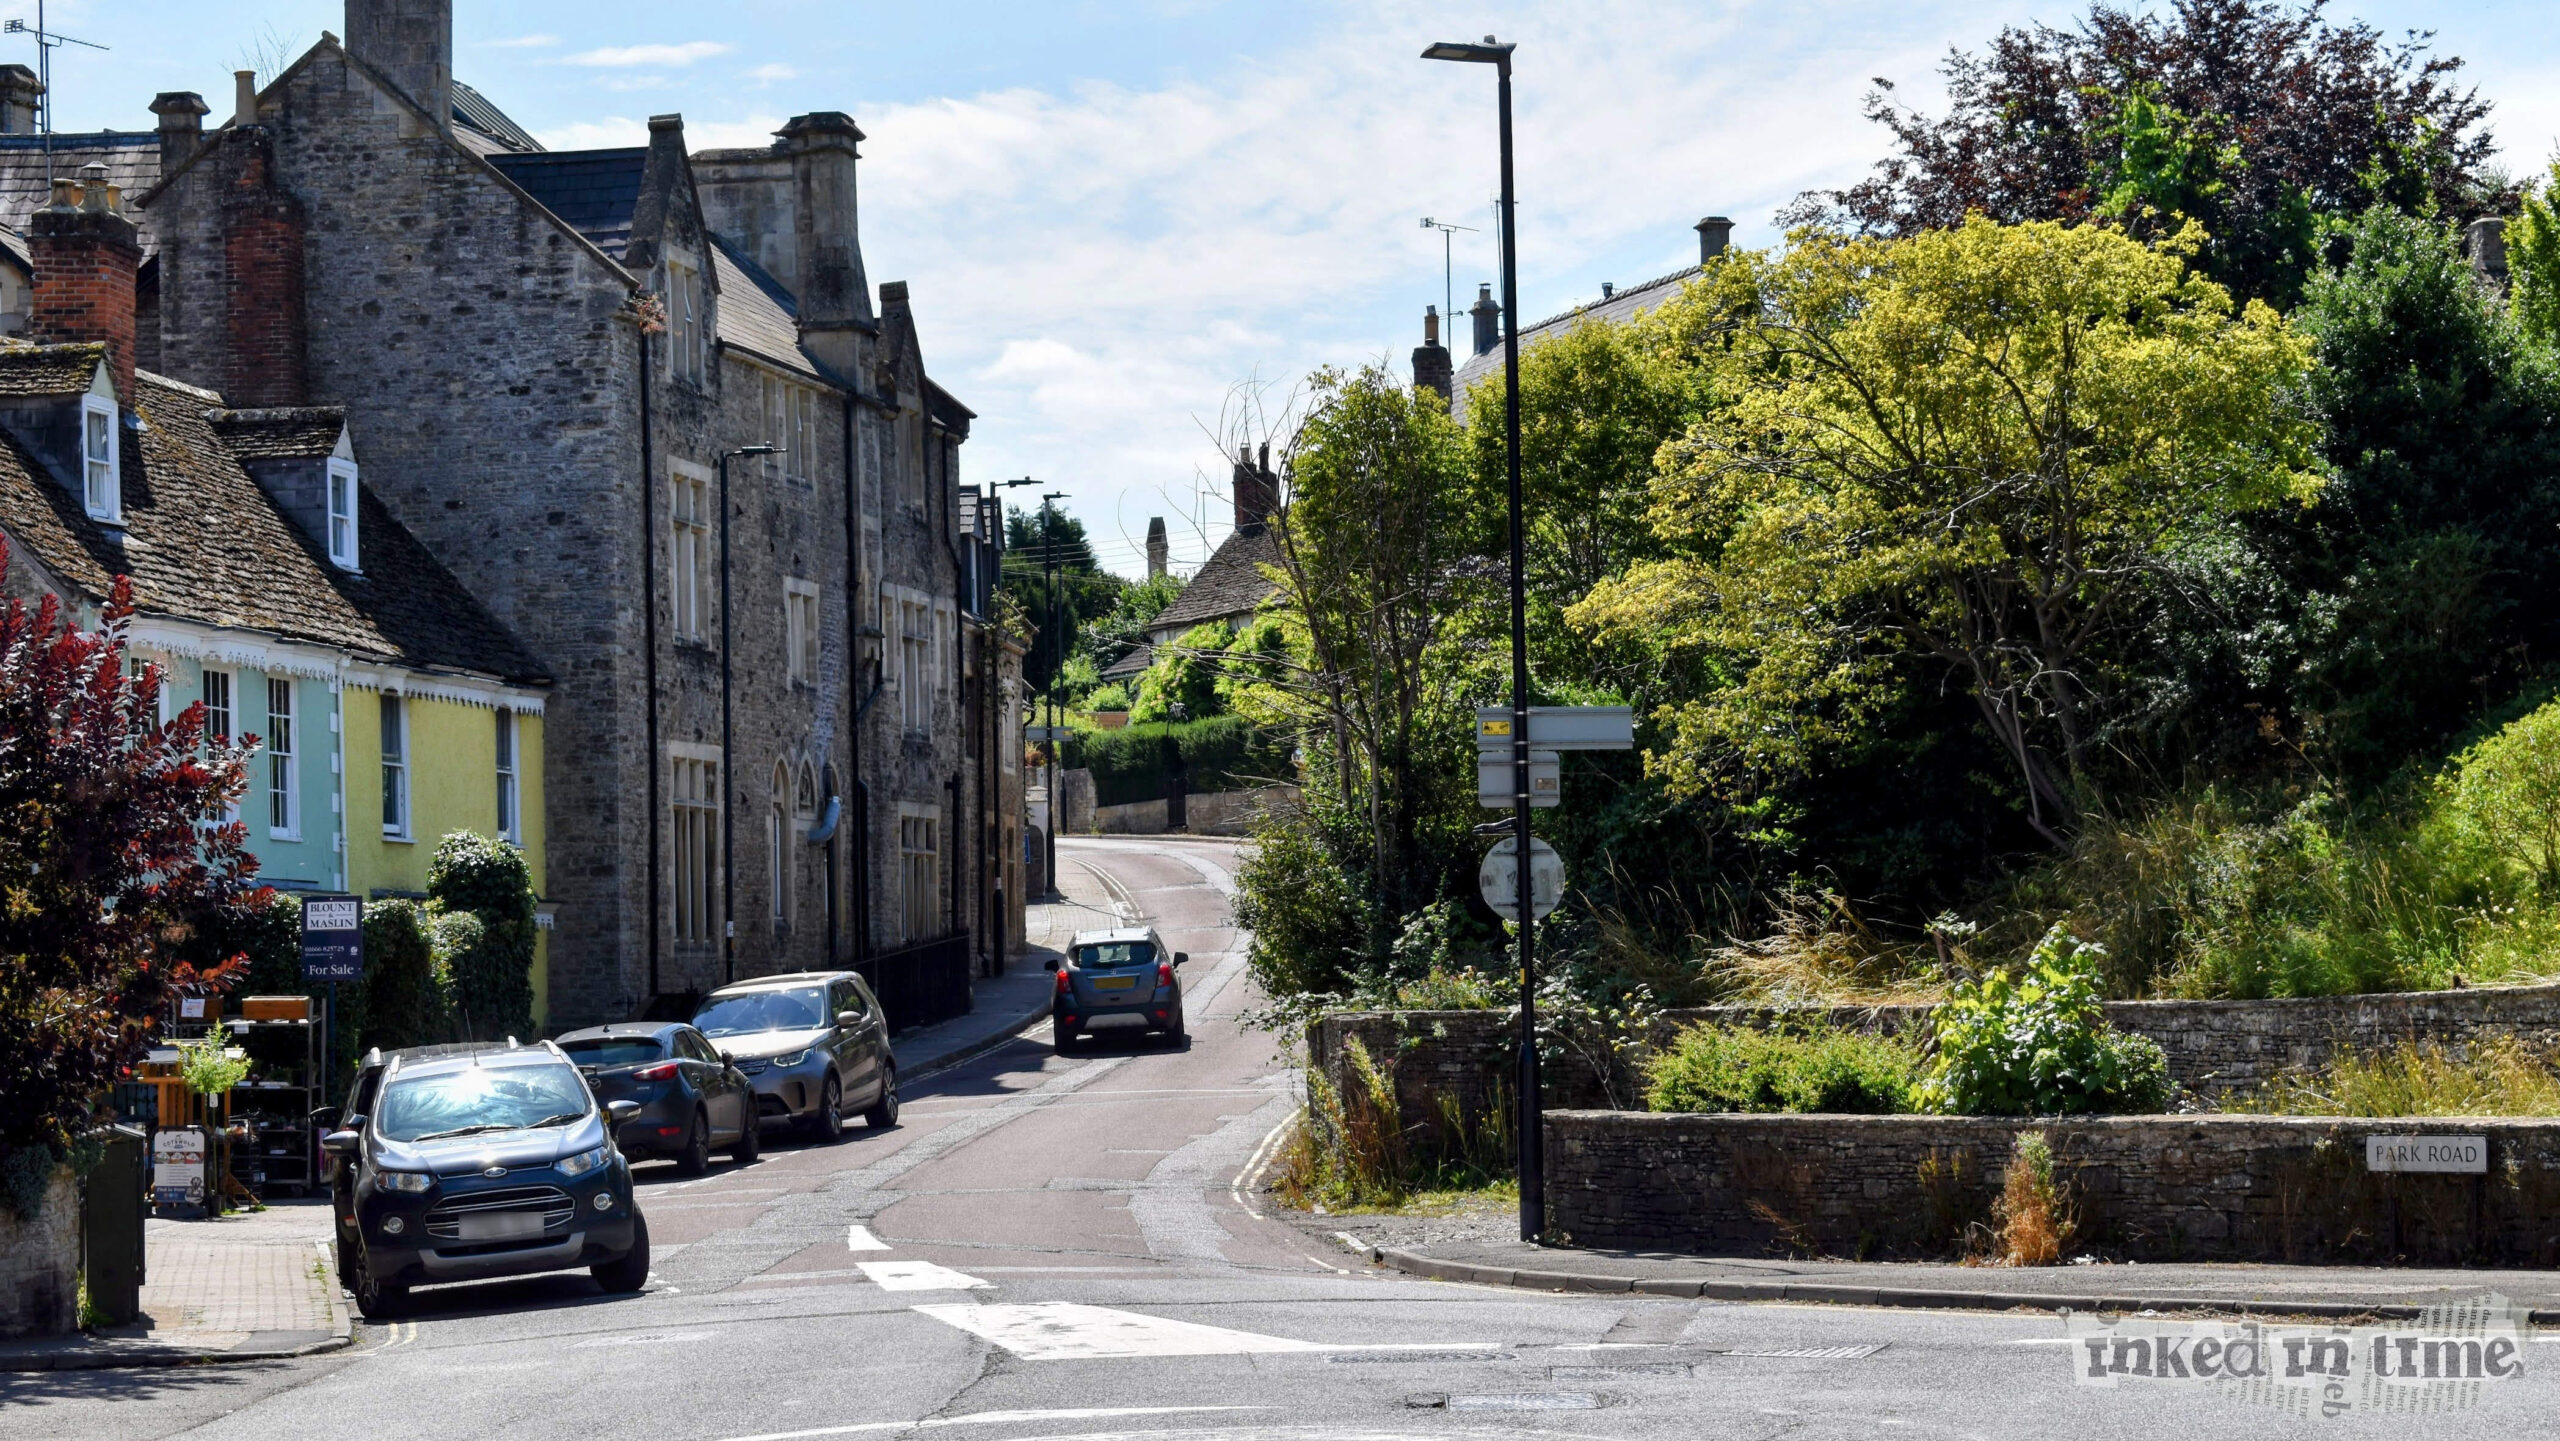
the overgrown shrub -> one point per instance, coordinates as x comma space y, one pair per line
492, 970
2033, 1041
1309, 919
1814, 1068
1352, 1149
406, 993
2499, 1076
1221, 753
2034, 1210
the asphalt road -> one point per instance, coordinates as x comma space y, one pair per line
1058, 1246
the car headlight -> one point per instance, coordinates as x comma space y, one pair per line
413, 1182
787, 1062
585, 1161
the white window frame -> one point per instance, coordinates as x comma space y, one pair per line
800, 629
800, 462
101, 475
780, 870
342, 522
690, 564
694, 797
284, 780
920, 906
688, 320
395, 739
217, 679
510, 738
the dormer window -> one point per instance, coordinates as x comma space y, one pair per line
342, 514
101, 488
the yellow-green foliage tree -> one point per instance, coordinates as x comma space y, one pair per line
1977, 449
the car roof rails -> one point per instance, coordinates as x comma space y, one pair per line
372, 1057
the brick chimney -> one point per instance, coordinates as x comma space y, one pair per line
264, 326
85, 255
1157, 550
410, 42
21, 94
826, 240
1257, 490
181, 115
1714, 234
1431, 358
1488, 318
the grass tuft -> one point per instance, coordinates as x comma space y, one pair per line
2498, 1076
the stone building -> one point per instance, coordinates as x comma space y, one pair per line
773, 678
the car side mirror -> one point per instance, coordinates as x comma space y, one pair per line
324, 1116
1182, 958
342, 1143
1049, 963
621, 1111
848, 1019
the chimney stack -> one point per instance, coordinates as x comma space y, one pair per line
2484, 241
1257, 491
1156, 548
410, 42
1431, 370
86, 254
1488, 318
263, 225
1714, 234
181, 115
21, 97
834, 294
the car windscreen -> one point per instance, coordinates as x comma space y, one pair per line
762, 1011
1115, 953
614, 1050
480, 1099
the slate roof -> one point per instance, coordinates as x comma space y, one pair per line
472, 109
754, 312
132, 159
1228, 586
202, 542
1623, 306
298, 432
594, 192
1132, 665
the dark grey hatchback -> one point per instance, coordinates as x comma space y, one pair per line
691, 1098
477, 1162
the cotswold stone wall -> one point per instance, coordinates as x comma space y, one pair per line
40, 1263
2143, 1188
2214, 1046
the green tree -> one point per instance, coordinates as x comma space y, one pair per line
1185, 673
407, 995
1109, 636
1059, 602
490, 961
2533, 262
1977, 449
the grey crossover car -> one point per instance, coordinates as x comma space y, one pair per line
461, 1163
1119, 982
690, 1098
811, 1045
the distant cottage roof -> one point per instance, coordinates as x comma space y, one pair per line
132, 159
1229, 586
1622, 306
1131, 665
204, 543
594, 192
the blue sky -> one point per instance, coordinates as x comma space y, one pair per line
1126, 225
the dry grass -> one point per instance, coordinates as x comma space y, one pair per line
2498, 1076
1823, 953
1351, 1152
2035, 1217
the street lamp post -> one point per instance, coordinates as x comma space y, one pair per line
728, 776
1057, 663
1533, 1197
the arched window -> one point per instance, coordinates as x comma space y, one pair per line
805, 799
778, 842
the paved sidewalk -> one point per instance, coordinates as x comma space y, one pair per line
2222, 1288
248, 1287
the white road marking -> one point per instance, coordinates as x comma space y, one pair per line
859, 1238
1064, 1331
918, 1276
995, 1418
657, 1338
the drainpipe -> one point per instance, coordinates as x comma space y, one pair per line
649, 647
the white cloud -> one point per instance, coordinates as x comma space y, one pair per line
522, 42
768, 74
624, 56
618, 131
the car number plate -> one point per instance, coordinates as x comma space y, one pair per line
498, 1226
1114, 983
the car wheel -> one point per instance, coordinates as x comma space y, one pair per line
827, 1123
884, 1111
1063, 1041
695, 1158
631, 1272
750, 1135
376, 1300
1180, 1035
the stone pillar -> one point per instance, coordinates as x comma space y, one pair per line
410, 42
1431, 369
1157, 549
1715, 233
181, 115
40, 1262
21, 99
826, 242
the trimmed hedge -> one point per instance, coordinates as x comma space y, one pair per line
1220, 753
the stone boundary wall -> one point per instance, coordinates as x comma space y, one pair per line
40, 1263
2144, 1188
2214, 1047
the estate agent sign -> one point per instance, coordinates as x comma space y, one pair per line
332, 938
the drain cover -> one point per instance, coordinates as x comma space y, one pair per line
1356, 1358
1527, 1401
1809, 1353
1631, 1368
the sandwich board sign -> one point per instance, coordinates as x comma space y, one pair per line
1498, 879
332, 938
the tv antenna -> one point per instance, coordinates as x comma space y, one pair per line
46, 43
1448, 291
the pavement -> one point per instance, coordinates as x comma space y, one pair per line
1083, 1246
258, 1285
2222, 1289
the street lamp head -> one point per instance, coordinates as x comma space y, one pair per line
757, 450
1490, 52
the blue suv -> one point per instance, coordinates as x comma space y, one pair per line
462, 1163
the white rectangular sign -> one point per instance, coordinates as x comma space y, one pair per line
1494, 777
2453, 1155
1560, 728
